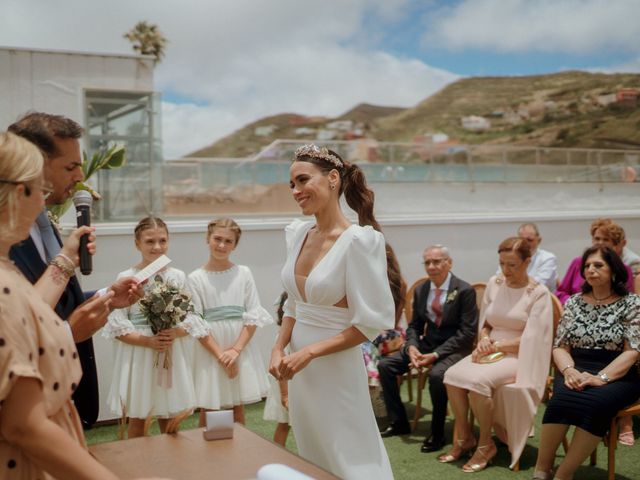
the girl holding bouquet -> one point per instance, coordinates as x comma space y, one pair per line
228, 369
143, 383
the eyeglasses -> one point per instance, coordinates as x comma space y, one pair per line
436, 262
45, 188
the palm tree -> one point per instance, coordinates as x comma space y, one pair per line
147, 39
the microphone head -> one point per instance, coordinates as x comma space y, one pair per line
82, 198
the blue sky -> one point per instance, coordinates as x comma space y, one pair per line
231, 62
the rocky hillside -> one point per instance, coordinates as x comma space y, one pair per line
568, 109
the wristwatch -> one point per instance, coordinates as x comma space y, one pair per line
604, 377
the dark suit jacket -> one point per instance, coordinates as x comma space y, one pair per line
459, 325
28, 260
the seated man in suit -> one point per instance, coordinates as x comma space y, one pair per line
441, 332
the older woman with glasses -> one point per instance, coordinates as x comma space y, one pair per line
596, 347
504, 377
40, 431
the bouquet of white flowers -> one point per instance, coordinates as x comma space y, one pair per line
164, 305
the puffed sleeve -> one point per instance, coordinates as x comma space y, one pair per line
292, 231
18, 341
254, 313
566, 323
368, 293
632, 333
193, 289
118, 322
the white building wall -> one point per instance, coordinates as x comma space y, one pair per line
54, 81
472, 238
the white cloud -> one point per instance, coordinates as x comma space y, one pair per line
240, 60
569, 26
632, 66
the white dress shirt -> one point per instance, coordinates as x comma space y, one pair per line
444, 289
544, 268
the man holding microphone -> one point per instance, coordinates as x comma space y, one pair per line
57, 137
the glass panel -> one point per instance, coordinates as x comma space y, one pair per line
131, 119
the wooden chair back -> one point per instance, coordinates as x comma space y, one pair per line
408, 306
479, 287
558, 309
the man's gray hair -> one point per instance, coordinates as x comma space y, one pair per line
438, 246
532, 226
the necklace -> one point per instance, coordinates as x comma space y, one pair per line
600, 300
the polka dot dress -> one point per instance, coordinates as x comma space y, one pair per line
35, 343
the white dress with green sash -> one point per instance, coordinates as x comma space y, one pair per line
135, 382
227, 301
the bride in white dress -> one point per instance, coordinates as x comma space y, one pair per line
339, 296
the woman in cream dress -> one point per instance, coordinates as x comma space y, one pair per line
339, 296
516, 321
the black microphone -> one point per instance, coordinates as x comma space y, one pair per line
82, 200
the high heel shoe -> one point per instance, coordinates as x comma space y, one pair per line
487, 458
463, 447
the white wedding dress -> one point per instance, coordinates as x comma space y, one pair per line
329, 404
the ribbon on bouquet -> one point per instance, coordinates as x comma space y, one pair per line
163, 365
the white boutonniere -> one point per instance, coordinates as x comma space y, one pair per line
451, 296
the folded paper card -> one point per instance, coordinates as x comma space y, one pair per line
153, 268
277, 471
219, 425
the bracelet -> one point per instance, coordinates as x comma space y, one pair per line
67, 259
496, 345
236, 350
568, 366
64, 268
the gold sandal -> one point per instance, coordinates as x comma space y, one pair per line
462, 446
477, 467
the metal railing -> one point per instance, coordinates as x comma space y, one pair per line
411, 162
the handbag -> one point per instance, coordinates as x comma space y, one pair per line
491, 358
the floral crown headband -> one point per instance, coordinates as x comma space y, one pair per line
311, 150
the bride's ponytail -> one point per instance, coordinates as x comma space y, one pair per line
358, 195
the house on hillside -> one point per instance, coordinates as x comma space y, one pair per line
344, 125
474, 123
628, 96
264, 130
304, 131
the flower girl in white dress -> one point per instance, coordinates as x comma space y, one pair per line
140, 388
228, 370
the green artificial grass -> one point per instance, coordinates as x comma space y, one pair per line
409, 463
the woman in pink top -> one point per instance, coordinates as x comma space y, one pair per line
503, 379
603, 232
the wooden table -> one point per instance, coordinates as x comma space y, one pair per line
186, 456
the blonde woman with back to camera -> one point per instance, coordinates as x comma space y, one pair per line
339, 296
40, 432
